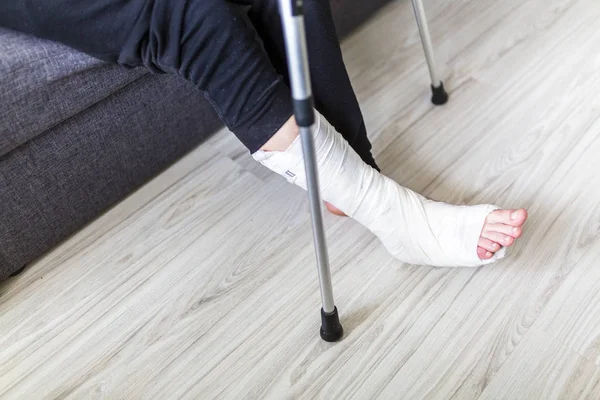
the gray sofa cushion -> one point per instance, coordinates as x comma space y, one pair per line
57, 182
44, 83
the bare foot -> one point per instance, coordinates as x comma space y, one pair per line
502, 228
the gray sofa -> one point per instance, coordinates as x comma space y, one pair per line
77, 135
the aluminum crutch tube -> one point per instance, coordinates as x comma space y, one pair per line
292, 18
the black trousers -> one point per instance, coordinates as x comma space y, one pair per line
231, 50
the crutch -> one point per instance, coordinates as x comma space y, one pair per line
292, 18
439, 95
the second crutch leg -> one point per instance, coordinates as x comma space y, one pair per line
292, 18
439, 95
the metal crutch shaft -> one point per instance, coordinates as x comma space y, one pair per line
439, 95
292, 18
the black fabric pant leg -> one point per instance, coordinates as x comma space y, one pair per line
206, 42
332, 89
209, 44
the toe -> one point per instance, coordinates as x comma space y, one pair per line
518, 217
483, 254
514, 231
488, 245
500, 238
508, 217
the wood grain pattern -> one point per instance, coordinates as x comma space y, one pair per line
202, 285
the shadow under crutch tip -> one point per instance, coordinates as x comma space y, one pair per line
439, 95
331, 329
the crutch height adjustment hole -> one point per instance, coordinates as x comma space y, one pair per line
297, 7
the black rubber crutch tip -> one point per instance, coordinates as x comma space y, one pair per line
439, 95
331, 329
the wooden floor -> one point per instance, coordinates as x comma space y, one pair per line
202, 285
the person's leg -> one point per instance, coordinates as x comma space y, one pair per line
206, 42
412, 228
333, 93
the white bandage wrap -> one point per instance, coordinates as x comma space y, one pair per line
412, 228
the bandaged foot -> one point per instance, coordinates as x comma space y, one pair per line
413, 229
